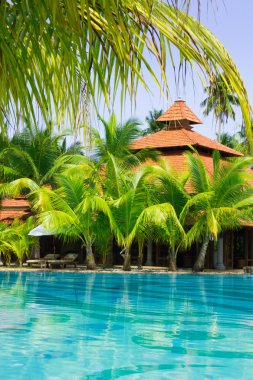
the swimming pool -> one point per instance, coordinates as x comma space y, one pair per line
130, 326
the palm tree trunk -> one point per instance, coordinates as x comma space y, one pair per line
108, 255
91, 264
219, 130
140, 253
200, 262
127, 259
172, 261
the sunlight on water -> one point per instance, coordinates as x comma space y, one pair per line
112, 326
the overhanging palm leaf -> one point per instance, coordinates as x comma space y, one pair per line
50, 50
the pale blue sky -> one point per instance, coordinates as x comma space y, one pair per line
232, 23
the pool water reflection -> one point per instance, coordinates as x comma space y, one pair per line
113, 326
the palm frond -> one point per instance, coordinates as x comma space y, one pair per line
53, 52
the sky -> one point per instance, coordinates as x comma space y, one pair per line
231, 21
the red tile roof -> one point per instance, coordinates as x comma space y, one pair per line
178, 163
179, 112
181, 138
14, 203
14, 208
9, 215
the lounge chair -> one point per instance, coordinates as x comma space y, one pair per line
43, 260
69, 258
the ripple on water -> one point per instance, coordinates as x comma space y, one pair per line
80, 326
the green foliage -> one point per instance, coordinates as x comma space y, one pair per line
221, 100
141, 213
14, 239
113, 153
32, 158
236, 141
220, 201
117, 143
52, 53
74, 209
153, 125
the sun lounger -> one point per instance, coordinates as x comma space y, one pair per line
43, 261
69, 258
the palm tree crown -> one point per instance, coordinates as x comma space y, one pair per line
219, 202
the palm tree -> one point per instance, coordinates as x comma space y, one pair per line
35, 154
15, 239
153, 125
138, 214
113, 153
169, 188
219, 202
220, 100
117, 143
73, 210
50, 51
31, 159
236, 141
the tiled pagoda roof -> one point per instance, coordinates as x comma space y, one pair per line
179, 113
178, 138
178, 133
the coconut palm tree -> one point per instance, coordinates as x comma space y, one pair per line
221, 101
51, 50
117, 143
14, 239
139, 214
170, 188
220, 201
236, 141
153, 125
31, 159
73, 210
113, 152
35, 154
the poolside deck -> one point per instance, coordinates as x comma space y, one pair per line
118, 269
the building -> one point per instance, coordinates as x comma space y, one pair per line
11, 209
235, 248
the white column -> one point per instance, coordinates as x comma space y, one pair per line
149, 260
220, 265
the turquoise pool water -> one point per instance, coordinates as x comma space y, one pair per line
103, 326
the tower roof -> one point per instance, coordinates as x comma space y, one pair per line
179, 114
182, 138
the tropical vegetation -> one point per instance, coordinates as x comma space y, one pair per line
15, 241
56, 54
118, 192
153, 124
220, 100
219, 202
56, 58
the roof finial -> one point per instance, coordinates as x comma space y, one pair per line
180, 99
